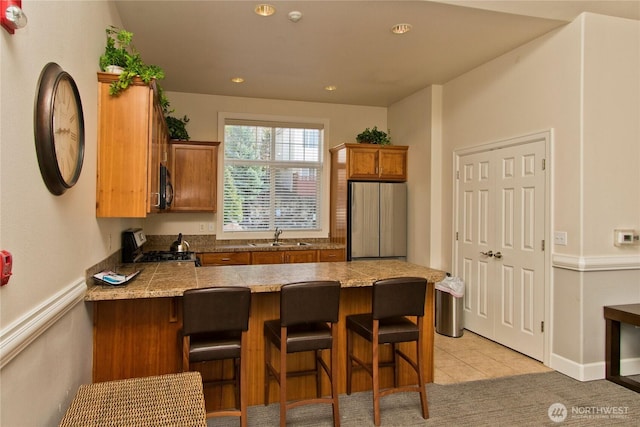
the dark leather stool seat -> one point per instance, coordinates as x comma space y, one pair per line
393, 299
215, 325
308, 313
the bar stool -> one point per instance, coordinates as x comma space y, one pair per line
393, 299
215, 325
308, 313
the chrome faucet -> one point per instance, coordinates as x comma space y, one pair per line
276, 235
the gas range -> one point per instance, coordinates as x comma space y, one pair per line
160, 256
133, 240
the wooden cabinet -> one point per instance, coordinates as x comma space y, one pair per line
374, 162
268, 257
360, 162
194, 168
132, 143
332, 255
300, 256
225, 258
272, 257
284, 257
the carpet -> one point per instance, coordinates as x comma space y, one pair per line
521, 400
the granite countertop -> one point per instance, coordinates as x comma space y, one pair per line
170, 279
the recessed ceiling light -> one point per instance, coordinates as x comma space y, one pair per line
330, 88
265, 9
237, 80
401, 28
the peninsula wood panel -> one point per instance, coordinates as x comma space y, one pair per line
142, 337
136, 338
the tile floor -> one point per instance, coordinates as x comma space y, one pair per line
472, 357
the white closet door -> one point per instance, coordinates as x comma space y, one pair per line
501, 230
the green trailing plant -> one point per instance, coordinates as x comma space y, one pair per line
121, 52
177, 127
374, 136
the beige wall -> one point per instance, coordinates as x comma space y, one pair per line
345, 122
581, 82
414, 121
45, 334
611, 143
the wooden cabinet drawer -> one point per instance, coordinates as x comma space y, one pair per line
329, 255
301, 256
267, 257
225, 258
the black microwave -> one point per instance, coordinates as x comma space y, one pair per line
166, 189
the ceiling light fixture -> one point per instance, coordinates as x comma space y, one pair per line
401, 28
330, 88
237, 80
265, 9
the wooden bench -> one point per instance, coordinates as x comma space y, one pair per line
614, 316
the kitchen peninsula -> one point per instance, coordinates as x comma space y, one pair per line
137, 326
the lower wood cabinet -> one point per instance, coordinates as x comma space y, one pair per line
225, 258
284, 257
332, 255
271, 257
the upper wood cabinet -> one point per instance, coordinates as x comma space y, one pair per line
194, 168
132, 142
371, 162
360, 162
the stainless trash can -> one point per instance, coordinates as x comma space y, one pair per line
449, 297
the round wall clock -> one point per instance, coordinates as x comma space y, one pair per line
59, 129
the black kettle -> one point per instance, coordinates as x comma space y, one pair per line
177, 244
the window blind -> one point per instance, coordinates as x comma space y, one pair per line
272, 175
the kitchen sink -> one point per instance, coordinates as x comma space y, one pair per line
271, 244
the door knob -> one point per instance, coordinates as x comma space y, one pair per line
498, 255
489, 253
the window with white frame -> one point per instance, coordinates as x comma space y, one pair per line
272, 175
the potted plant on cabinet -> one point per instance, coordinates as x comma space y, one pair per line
374, 136
175, 125
119, 52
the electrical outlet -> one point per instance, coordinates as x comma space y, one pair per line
202, 226
560, 238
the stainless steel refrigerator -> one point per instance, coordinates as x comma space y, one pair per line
377, 220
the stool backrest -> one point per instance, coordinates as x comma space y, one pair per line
309, 302
216, 309
399, 296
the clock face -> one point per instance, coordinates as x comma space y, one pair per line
59, 129
66, 130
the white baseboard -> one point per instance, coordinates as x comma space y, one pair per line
19, 334
595, 263
591, 371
